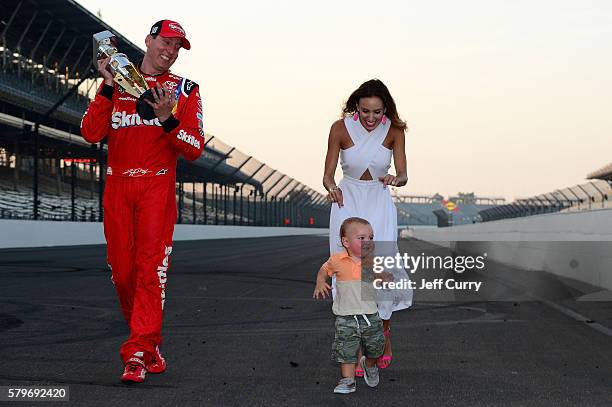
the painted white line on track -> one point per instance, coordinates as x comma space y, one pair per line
579, 317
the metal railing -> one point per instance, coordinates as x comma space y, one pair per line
587, 196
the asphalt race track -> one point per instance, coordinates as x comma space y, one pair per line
241, 328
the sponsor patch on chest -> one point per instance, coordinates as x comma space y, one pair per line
123, 119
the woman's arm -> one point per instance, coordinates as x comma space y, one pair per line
331, 158
399, 158
331, 162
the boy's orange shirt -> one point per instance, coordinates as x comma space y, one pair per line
343, 266
353, 296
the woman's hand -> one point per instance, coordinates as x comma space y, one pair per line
386, 277
394, 181
335, 195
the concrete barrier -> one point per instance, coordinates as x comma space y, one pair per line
576, 245
24, 233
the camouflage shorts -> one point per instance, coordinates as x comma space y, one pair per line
352, 335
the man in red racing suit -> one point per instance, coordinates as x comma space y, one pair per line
139, 197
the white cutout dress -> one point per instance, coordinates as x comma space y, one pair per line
369, 200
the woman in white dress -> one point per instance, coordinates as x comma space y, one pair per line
368, 134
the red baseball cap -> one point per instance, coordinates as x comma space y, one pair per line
170, 29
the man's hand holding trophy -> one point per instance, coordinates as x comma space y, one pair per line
115, 66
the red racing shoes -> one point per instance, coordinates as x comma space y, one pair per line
158, 363
135, 370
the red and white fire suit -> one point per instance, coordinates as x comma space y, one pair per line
139, 197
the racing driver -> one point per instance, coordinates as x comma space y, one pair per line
139, 197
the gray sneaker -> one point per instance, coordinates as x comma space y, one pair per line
346, 385
370, 374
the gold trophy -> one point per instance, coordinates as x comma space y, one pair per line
125, 73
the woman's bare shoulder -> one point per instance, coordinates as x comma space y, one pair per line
338, 125
396, 131
338, 129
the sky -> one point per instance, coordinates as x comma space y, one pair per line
502, 98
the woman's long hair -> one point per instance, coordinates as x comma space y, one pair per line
374, 87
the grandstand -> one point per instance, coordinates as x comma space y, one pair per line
467, 208
590, 195
604, 173
414, 210
47, 171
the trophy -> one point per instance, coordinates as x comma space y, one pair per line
125, 73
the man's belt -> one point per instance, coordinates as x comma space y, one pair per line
139, 172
